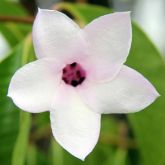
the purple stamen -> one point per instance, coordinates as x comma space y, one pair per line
73, 74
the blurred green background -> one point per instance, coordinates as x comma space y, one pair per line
133, 139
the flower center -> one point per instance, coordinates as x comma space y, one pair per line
73, 74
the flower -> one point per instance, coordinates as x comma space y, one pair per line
79, 75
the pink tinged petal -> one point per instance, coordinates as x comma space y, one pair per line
128, 92
74, 126
33, 86
56, 35
109, 40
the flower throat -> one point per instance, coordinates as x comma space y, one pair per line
73, 74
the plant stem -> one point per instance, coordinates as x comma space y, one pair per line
19, 152
16, 19
21, 144
82, 1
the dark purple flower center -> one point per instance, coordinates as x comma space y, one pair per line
73, 74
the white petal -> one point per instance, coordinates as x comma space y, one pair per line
74, 126
129, 91
109, 39
32, 87
56, 35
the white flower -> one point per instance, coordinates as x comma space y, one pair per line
79, 75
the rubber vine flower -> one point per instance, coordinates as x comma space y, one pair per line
79, 75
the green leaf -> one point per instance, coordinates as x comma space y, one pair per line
12, 8
148, 125
13, 32
9, 114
